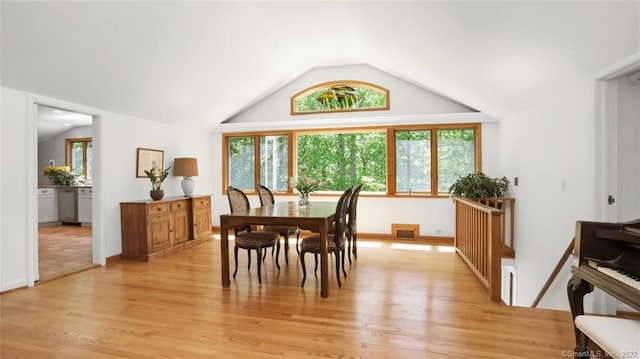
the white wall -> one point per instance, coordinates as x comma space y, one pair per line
116, 139
14, 221
405, 98
551, 148
120, 136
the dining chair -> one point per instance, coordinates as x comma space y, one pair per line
336, 240
351, 231
266, 199
352, 224
247, 237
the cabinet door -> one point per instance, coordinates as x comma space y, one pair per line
47, 205
201, 216
180, 227
84, 205
159, 232
201, 222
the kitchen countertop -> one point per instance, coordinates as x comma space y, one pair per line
57, 186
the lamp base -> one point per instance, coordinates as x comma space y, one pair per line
188, 184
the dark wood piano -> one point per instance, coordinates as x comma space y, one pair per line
608, 258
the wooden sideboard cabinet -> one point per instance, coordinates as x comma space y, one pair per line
156, 228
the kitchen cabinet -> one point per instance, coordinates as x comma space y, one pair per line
84, 205
47, 205
152, 229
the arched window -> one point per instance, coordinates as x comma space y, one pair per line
340, 96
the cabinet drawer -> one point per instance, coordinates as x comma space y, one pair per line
85, 191
46, 191
177, 206
157, 209
200, 202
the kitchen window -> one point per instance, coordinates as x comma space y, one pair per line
78, 155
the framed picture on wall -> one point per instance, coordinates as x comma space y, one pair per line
147, 158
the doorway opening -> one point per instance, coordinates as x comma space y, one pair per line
65, 187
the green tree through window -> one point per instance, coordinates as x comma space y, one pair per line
344, 159
274, 162
421, 160
79, 156
242, 166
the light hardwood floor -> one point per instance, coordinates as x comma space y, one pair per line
63, 250
395, 303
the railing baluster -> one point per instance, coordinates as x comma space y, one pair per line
479, 239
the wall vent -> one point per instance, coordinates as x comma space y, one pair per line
405, 231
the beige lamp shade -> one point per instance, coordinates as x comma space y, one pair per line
185, 167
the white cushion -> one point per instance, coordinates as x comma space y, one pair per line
619, 337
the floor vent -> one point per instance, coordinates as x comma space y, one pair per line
405, 231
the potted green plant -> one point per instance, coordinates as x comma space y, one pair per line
478, 185
156, 176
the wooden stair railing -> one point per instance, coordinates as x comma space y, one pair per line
478, 242
507, 206
555, 272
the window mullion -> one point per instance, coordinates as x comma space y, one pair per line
292, 160
391, 161
434, 161
256, 159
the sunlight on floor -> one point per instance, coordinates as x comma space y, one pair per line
422, 247
377, 244
413, 247
446, 249
369, 244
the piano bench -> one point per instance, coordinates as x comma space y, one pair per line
619, 337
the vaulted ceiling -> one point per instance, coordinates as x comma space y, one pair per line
205, 61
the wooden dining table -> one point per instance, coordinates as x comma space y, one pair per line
316, 217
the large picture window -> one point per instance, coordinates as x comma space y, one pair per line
344, 159
402, 160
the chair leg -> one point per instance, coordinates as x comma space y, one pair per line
278, 253
355, 246
248, 259
297, 239
349, 248
338, 268
343, 270
315, 258
286, 248
235, 256
304, 269
259, 252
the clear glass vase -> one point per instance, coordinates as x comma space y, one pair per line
303, 200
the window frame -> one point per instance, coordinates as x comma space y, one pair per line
68, 143
391, 154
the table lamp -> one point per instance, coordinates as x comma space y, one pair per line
187, 168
